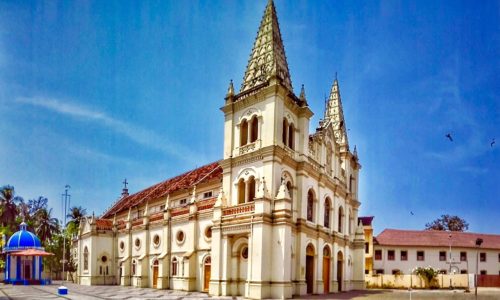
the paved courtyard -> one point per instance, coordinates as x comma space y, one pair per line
118, 292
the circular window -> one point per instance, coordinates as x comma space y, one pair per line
208, 232
104, 258
180, 236
137, 243
122, 245
244, 252
156, 240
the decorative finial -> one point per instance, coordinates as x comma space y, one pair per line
221, 199
302, 93
167, 203
230, 89
355, 152
335, 76
193, 197
125, 189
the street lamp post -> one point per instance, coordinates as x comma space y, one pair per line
479, 241
62, 290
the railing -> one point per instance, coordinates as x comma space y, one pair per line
137, 222
206, 204
155, 217
180, 211
248, 148
239, 209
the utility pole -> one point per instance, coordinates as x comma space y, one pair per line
66, 198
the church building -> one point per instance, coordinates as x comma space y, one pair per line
275, 217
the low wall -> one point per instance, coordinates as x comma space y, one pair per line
404, 281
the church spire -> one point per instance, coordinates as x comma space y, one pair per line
268, 54
334, 115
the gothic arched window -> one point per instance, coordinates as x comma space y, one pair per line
174, 266
285, 131
254, 133
134, 266
85, 258
291, 141
251, 188
241, 191
326, 221
243, 133
341, 219
310, 206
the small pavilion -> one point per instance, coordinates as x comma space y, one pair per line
24, 254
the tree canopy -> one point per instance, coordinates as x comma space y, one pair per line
448, 223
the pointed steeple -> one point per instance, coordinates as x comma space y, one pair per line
302, 96
334, 115
268, 54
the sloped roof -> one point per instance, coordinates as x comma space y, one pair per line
104, 224
367, 221
436, 238
183, 181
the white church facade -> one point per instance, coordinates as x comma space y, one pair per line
275, 217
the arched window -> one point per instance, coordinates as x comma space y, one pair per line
85, 258
251, 188
174, 266
285, 131
243, 133
241, 191
134, 266
291, 141
341, 219
351, 181
350, 222
290, 189
310, 205
326, 221
254, 133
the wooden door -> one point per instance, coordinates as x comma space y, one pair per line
339, 274
155, 276
310, 273
206, 278
326, 274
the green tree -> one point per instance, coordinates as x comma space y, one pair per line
76, 213
8, 213
449, 223
46, 225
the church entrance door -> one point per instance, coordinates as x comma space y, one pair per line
326, 270
340, 258
310, 269
155, 274
206, 273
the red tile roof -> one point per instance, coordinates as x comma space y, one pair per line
183, 181
367, 221
435, 238
103, 224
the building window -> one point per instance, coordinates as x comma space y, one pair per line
367, 247
180, 236
156, 240
310, 205
420, 255
442, 255
207, 195
326, 221
107, 270
291, 130
396, 272
100, 270
137, 243
174, 266
244, 253
404, 255
351, 180
251, 188
285, 132
208, 232
241, 191
86, 258
390, 255
134, 266
463, 271
378, 254
183, 202
442, 271
463, 256
482, 256
243, 133
341, 219
483, 272
254, 133
379, 271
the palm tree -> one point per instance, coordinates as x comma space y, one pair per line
8, 206
76, 214
46, 225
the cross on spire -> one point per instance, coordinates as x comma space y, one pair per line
125, 183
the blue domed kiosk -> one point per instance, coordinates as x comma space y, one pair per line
24, 254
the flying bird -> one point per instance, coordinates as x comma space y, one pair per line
412, 213
449, 137
492, 143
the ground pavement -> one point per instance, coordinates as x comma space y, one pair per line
8, 292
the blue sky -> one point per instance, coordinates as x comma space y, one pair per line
93, 92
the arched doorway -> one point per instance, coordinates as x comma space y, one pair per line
206, 273
340, 269
310, 269
326, 269
155, 273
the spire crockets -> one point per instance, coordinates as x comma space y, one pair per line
334, 115
268, 54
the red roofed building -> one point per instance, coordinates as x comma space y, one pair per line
403, 250
275, 217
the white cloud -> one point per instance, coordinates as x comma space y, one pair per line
137, 134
